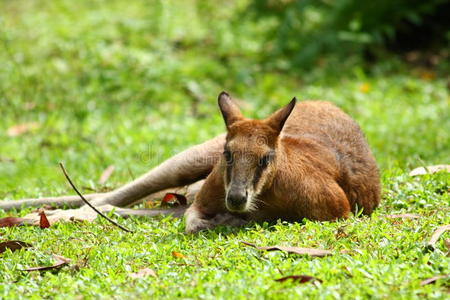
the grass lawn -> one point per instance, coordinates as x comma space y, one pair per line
129, 84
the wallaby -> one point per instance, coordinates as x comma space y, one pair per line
306, 160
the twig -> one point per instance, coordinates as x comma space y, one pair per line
434, 238
87, 202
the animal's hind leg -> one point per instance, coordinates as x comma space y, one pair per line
184, 168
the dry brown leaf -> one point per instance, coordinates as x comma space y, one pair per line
143, 273
298, 278
437, 233
177, 254
43, 221
6, 159
29, 105
403, 216
447, 243
433, 279
297, 250
364, 87
60, 262
427, 75
347, 271
106, 174
340, 233
169, 197
20, 129
11, 221
13, 245
429, 170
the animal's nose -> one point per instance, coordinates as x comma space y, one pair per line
236, 200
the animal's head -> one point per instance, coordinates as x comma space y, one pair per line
249, 154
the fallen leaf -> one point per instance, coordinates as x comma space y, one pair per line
13, 245
143, 273
29, 105
106, 174
298, 278
347, 271
427, 75
437, 233
433, 279
296, 250
60, 262
403, 216
177, 254
11, 221
340, 233
364, 88
180, 199
412, 56
7, 159
429, 170
21, 129
43, 221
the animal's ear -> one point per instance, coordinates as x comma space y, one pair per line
278, 118
230, 111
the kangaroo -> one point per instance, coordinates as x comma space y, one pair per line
306, 160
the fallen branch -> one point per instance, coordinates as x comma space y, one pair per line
435, 237
87, 202
13, 245
295, 250
433, 279
60, 262
403, 216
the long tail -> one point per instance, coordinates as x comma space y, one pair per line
185, 168
175, 212
74, 201
57, 202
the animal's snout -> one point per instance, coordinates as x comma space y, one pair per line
236, 200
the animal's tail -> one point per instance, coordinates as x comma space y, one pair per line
175, 212
57, 202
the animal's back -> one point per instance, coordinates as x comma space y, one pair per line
327, 125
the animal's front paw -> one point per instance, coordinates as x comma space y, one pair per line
195, 222
197, 225
228, 219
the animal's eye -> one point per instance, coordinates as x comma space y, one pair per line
228, 156
265, 160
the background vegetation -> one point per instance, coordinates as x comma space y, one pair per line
130, 83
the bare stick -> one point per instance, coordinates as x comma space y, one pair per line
434, 238
87, 202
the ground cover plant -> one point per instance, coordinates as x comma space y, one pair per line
101, 83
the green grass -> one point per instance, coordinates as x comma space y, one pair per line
132, 83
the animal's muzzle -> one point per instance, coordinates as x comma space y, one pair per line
236, 200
